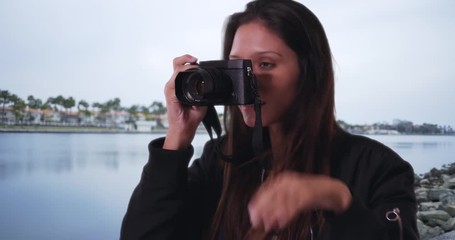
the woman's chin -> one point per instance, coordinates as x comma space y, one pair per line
250, 122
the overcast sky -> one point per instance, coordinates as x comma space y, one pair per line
395, 59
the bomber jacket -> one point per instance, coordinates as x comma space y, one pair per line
174, 201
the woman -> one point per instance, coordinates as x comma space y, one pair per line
323, 183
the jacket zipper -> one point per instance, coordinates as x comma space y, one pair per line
394, 216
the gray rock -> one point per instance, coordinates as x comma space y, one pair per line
447, 197
425, 182
449, 182
445, 236
450, 209
434, 194
433, 214
421, 194
428, 206
447, 226
427, 232
448, 202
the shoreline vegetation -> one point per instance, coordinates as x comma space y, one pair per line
58, 114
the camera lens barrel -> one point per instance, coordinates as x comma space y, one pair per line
225, 82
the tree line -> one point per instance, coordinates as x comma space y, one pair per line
21, 108
399, 127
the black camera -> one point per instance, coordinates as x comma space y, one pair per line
221, 82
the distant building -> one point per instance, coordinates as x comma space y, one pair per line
145, 126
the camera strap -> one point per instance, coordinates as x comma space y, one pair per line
258, 137
210, 121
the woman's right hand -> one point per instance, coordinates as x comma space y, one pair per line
183, 120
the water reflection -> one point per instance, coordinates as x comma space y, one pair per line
427, 145
30, 153
53, 186
25, 154
69, 186
423, 152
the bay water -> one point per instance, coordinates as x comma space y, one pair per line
77, 186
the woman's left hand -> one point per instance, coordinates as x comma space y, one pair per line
284, 196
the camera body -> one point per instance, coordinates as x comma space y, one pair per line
219, 82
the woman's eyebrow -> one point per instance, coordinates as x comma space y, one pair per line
256, 54
268, 52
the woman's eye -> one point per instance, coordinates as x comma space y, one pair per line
266, 65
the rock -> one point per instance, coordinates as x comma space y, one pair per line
449, 183
450, 169
427, 232
445, 236
447, 197
435, 193
428, 206
433, 214
417, 180
449, 208
421, 195
424, 182
448, 202
447, 226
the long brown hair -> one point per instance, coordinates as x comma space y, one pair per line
308, 125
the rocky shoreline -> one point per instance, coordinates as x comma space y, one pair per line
435, 193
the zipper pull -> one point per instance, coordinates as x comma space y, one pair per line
394, 216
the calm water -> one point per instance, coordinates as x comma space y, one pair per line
77, 186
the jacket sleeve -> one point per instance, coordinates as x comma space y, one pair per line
384, 205
171, 200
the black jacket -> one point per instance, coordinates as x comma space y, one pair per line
173, 201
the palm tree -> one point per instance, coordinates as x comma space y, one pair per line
158, 108
85, 111
133, 110
5, 98
68, 103
34, 104
51, 101
18, 107
102, 110
146, 111
45, 106
114, 107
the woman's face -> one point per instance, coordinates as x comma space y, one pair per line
276, 68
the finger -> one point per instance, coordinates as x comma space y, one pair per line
183, 62
179, 64
259, 210
270, 206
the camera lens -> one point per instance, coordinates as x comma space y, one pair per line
207, 84
223, 82
200, 87
196, 85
